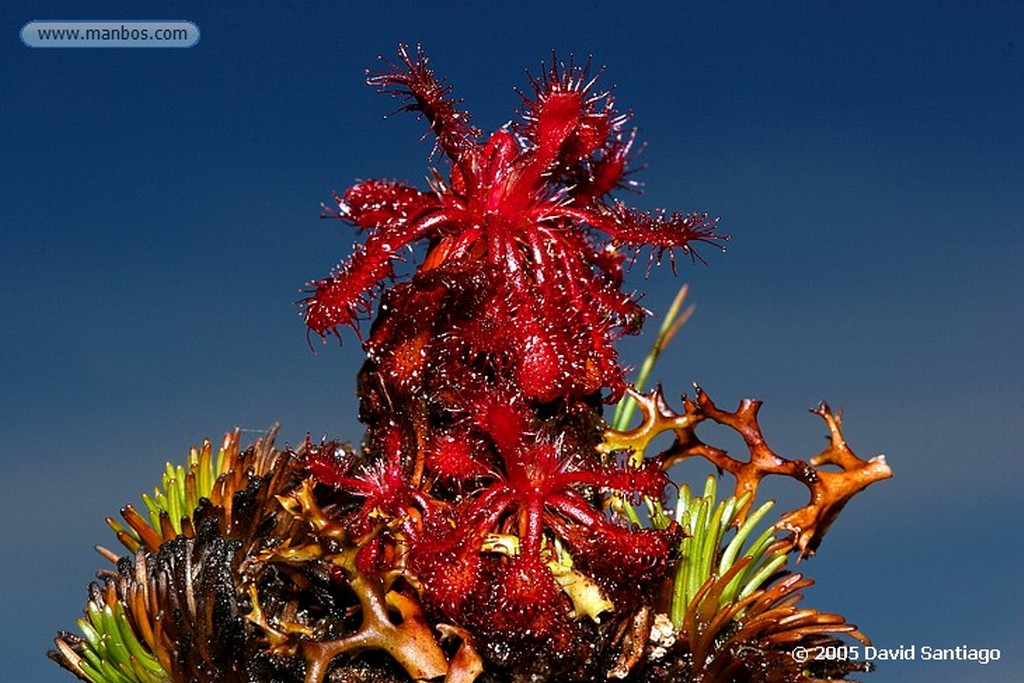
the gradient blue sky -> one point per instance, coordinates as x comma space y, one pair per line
160, 215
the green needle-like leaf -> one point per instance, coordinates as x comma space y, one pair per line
705, 555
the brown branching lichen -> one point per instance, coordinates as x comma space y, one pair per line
829, 490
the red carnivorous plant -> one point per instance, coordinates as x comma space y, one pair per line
487, 527
486, 368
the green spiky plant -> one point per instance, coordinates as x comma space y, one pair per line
112, 647
706, 554
174, 501
109, 651
174, 608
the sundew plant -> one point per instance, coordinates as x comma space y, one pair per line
492, 525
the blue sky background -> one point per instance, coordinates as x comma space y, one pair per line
160, 216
